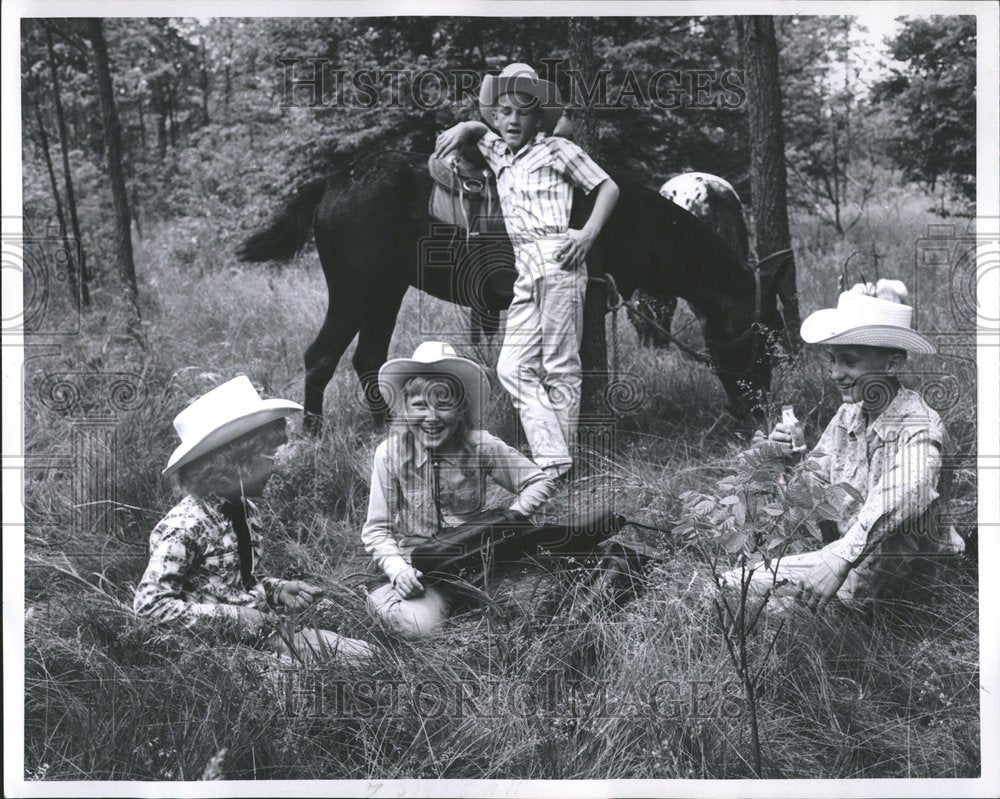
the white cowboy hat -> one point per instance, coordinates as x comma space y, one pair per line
436, 358
523, 79
872, 321
222, 415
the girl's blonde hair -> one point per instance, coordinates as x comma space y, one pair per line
437, 389
215, 471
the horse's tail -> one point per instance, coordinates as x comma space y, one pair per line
289, 230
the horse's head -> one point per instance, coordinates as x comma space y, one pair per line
740, 338
771, 271
737, 345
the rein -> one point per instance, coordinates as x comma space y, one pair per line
616, 302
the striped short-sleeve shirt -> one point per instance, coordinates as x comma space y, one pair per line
536, 183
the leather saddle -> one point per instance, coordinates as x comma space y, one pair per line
465, 194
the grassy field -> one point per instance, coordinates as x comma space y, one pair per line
647, 692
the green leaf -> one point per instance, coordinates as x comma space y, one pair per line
740, 514
851, 491
813, 529
704, 507
734, 541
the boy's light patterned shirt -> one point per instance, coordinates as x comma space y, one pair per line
536, 183
194, 567
895, 465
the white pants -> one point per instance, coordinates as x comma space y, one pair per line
415, 617
539, 364
877, 578
520, 584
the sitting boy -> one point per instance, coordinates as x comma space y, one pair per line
886, 443
203, 554
539, 362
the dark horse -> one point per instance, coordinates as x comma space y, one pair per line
375, 239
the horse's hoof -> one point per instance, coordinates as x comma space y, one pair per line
312, 425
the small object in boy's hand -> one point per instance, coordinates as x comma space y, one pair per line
794, 427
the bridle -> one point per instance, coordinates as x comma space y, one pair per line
757, 328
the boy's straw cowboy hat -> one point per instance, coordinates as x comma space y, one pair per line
523, 79
222, 415
868, 315
434, 358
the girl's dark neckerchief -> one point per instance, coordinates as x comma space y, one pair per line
236, 513
436, 489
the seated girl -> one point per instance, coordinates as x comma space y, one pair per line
203, 554
431, 472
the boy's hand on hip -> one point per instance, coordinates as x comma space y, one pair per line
573, 252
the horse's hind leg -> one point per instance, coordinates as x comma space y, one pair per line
485, 325
373, 347
322, 356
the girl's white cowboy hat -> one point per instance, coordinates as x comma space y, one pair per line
222, 415
430, 359
872, 321
523, 79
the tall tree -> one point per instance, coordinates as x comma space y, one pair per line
832, 138
594, 348
67, 172
934, 94
768, 179
43, 140
119, 193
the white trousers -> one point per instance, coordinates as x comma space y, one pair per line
539, 364
877, 578
413, 618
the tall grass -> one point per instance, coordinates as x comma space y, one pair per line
646, 691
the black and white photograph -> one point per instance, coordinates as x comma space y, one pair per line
501, 398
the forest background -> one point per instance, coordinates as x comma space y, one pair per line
881, 160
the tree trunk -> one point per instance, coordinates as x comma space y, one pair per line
594, 348
768, 180
119, 192
171, 109
44, 139
203, 76
67, 174
142, 124
228, 86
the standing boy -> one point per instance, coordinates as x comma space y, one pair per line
539, 363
